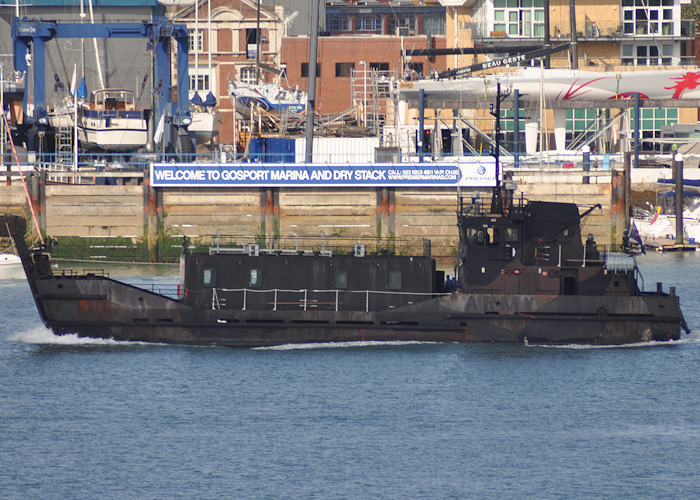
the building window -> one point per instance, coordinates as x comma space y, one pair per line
249, 75
434, 24
199, 82
252, 36
199, 38
647, 17
368, 23
379, 67
338, 22
414, 70
344, 70
581, 125
647, 55
650, 122
519, 17
403, 25
305, 70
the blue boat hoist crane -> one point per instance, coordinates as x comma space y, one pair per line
170, 106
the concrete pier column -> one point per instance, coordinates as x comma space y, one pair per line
386, 231
152, 232
559, 129
532, 127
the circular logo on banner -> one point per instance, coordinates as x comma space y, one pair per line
481, 170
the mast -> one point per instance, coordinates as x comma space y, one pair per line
257, 47
311, 106
209, 43
196, 46
574, 39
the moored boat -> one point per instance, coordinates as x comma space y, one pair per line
523, 276
110, 121
269, 96
10, 267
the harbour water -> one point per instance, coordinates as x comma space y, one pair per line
100, 419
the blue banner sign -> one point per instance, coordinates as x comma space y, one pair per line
476, 174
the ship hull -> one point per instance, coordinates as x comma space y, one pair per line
88, 307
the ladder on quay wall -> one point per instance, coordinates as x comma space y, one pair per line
64, 153
64, 145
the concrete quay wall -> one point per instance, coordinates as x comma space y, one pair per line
403, 217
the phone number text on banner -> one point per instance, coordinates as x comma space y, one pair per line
311, 175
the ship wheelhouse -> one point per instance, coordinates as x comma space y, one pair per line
537, 248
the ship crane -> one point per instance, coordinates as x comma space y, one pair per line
160, 34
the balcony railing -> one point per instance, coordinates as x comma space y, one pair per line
594, 30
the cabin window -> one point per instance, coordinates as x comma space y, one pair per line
341, 279
255, 278
209, 277
511, 234
394, 280
493, 235
569, 285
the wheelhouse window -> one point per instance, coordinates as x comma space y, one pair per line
341, 279
394, 280
255, 278
209, 277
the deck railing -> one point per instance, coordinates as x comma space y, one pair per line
305, 299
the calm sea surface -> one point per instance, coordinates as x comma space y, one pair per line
100, 419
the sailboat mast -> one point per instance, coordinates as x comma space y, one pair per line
196, 46
574, 35
311, 106
97, 53
209, 41
257, 47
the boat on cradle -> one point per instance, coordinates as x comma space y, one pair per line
206, 120
10, 267
269, 96
110, 121
523, 276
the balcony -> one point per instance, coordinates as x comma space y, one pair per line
589, 30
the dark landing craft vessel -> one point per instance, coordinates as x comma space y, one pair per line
523, 276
